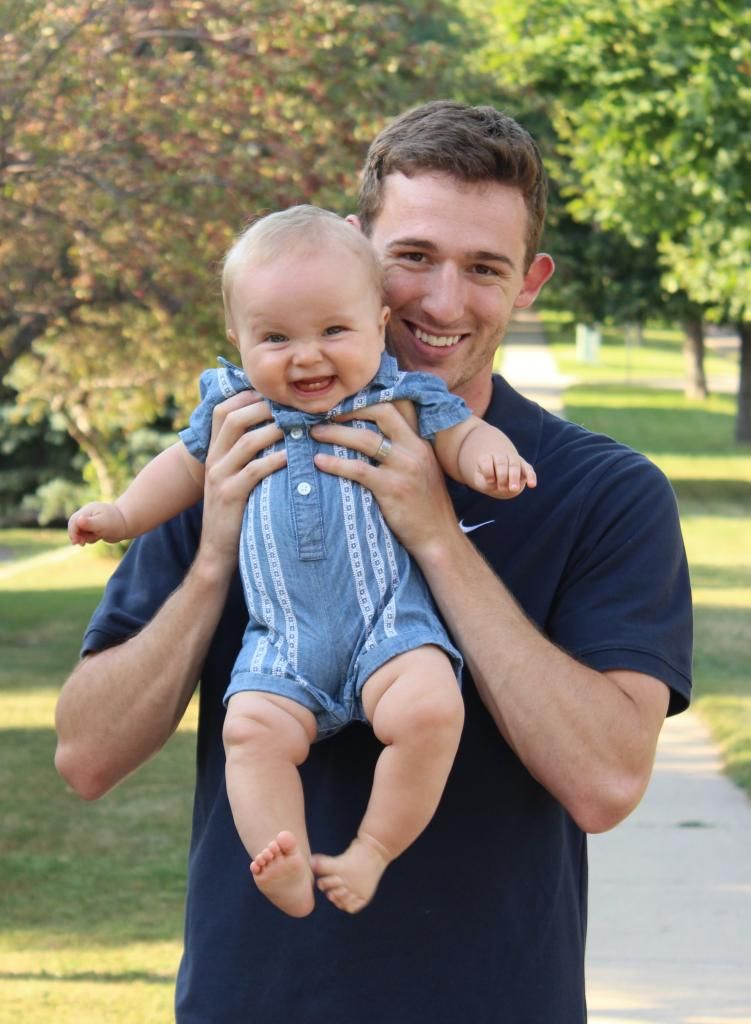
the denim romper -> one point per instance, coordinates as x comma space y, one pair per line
331, 593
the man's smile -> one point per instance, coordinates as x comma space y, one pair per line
437, 340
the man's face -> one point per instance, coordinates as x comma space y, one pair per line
454, 259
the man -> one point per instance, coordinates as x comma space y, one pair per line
570, 604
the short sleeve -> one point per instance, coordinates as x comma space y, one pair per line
214, 387
625, 602
437, 408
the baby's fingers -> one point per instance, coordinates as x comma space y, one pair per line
491, 469
504, 476
513, 476
78, 527
528, 474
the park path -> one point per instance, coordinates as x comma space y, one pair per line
10, 567
669, 937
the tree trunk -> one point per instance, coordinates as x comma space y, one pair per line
89, 441
743, 418
693, 354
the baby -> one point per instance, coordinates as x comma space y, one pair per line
341, 624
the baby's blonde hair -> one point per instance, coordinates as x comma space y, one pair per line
299, 229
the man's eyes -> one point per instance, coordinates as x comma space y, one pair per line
479, 269
407, 256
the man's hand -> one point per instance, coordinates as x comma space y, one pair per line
240, 431
408, 485
120, 706
588, 737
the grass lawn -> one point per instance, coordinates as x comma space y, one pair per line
692, 441
91, 895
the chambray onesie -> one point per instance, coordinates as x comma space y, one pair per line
331, 593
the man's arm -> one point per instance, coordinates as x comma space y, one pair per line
589, 737
119, 707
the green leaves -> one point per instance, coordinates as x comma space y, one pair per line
137, 139
651, 104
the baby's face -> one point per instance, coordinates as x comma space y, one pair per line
309, 327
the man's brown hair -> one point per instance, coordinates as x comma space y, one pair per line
471, 144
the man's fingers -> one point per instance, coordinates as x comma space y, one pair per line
265, 465
232, 418
384, 415
353, 469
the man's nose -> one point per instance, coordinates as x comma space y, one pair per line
444, 298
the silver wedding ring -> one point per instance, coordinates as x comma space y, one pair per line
383, 449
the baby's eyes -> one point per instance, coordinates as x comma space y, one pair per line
334, 329
275, 339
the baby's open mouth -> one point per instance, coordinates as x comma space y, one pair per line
313, 385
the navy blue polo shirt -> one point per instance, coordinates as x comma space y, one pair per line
483, 919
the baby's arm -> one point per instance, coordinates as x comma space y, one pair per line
482, 457
170, 483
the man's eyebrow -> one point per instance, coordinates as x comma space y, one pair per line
492, 257
409, 242
480, 256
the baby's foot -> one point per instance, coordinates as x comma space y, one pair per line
350, 879
284, 876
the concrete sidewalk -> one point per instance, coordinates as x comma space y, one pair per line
527, 363
670, 889
670, 895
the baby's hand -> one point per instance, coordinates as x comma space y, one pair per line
504, 476
97, 521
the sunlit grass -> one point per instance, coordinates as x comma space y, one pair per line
658, 358
92, 894
16, 544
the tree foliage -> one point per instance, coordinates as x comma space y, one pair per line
136, 139
651, 105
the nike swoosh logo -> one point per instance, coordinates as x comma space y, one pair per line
475, 526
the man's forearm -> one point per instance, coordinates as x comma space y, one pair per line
120, 706
588, 737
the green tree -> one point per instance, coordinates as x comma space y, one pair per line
136, 139
651, 104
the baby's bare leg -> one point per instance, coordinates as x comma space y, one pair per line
416, 709
265, 738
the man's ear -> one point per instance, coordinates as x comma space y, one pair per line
232, 337
541, 271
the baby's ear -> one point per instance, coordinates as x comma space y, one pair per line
233, 338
